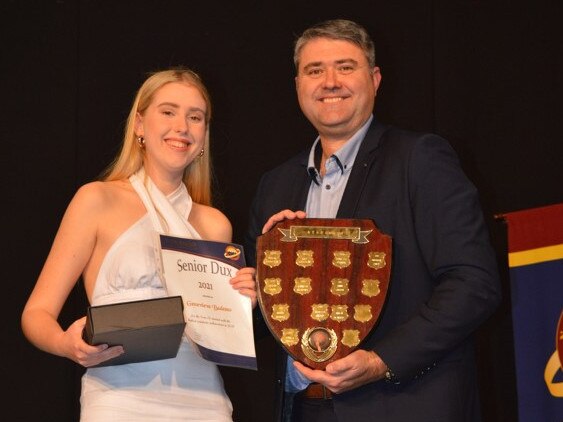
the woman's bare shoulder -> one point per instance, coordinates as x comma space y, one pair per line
96, 201
102, 194
211, 223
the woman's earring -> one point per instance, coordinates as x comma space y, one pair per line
201, 152
141, 141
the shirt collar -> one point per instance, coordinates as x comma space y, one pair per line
344, 157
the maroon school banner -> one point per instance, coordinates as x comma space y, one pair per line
535, 260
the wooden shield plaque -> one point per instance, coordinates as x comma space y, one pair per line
322, 284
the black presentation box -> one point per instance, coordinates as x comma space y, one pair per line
148, 329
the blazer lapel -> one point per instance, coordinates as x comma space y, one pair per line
302, 181
362, 165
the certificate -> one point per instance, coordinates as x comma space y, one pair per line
218, 318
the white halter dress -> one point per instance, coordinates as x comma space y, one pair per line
186, 388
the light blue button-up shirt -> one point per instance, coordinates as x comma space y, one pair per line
323, 201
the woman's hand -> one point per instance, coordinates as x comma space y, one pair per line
76, 349
245, 282
280, 216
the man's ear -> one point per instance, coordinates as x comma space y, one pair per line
376, 76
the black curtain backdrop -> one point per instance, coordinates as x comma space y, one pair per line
486, 75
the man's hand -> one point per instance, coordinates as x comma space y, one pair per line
280, 216
358, 368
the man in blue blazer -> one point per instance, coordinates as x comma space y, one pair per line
418, 364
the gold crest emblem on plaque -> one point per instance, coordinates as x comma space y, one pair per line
302, 285
362, 313
341, 259
339, 313
272, 258
350, 338
290, 336
280, 312
376, 260
272, 286
339, 286
370, 288
319, 311
304, 259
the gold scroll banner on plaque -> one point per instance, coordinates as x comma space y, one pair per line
322, 284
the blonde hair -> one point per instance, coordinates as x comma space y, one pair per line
198, 174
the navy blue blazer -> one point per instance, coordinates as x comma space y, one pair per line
444, 275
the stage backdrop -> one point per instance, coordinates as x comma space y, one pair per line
535, 258
486, 75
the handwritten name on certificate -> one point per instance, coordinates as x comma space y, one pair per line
218, 318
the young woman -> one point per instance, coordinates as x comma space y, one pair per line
160, 181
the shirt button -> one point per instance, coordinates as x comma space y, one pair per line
327, 187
